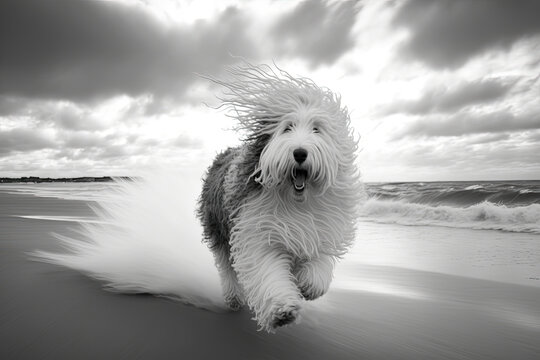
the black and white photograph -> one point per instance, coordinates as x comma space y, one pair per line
270, 179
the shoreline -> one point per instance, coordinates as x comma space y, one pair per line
81, 179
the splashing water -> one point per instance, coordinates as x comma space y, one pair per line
147, 240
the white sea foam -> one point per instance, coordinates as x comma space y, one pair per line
76, 219
67, 191
147, 239
474, 187
483, 216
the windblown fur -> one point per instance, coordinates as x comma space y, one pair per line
279, 210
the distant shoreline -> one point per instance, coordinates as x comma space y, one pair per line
37, 179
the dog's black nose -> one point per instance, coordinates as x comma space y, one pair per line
300, 155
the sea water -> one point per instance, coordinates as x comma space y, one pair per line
488, 230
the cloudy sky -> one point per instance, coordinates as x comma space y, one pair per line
438, 90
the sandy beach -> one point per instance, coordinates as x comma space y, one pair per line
49, 312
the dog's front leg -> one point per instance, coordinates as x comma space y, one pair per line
314, 276
265, 274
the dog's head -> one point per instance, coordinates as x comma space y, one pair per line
303, 141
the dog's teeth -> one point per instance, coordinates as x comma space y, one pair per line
299, 180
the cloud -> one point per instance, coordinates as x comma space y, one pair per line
183, 141
470, 123
22, 140
533, 137
71, 117
487, 138
102, 145
447, 33
96, 146
52, 114
449, 99
10, 105
490, 156
317, 30
83, 50
82, 140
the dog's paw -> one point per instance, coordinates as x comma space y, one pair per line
234, 303
285, 315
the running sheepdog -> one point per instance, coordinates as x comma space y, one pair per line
279, 210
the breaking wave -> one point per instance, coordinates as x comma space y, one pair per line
484, 215
460, 194
146, 239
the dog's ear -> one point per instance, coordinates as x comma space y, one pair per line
251, 160
254, 150
258, 144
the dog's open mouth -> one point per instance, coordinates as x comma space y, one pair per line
299, 180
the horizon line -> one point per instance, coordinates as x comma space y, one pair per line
113, 177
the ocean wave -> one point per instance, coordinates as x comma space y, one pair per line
145, 238
485, 215
459, 194
474, 187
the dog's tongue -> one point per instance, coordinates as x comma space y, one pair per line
300, 180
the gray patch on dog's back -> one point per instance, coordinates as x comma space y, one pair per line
228, 182
211, 209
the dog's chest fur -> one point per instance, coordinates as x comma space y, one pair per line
238, 209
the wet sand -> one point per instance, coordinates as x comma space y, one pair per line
47, 312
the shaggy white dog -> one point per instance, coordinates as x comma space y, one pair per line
280, 209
